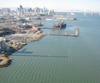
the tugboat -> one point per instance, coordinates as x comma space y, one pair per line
60, 25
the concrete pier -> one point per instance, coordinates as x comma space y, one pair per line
48, 28
45, 28
75, 33
62, 34
74, 18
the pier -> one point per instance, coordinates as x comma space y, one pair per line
75, 33
48, 28
74, 18
62, 34
45, 28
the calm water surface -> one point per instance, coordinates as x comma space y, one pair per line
59, 59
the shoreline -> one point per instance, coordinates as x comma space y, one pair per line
4, 58
18, 44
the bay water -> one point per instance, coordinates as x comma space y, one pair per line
59, 59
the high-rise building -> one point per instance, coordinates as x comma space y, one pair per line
21, 7
44, 10
2, 44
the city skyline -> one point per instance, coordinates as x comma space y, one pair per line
59, 5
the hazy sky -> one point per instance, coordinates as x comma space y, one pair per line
54, 4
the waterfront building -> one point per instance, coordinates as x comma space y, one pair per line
2, 44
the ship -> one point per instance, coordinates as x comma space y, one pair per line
38, 24
60, 25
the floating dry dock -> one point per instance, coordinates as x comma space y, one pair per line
75, 33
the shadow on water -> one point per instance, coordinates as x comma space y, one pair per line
23, 51
43, 56
28, 52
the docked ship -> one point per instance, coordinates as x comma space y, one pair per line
60, 25
38, 24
